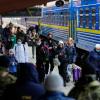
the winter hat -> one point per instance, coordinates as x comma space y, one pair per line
97, 46
61, 42
54, 82
11, 51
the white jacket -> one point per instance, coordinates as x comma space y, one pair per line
19, 51
26, 52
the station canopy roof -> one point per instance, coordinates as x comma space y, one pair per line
11, 5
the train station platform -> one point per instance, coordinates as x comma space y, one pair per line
69, 85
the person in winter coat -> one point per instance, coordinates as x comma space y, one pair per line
60, 51
13, 63
51, 44
19, 51
70, 51
54, 88
27, 86
94, 60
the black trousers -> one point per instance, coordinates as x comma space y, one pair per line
63, 72
50, 61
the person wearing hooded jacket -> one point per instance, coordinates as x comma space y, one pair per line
27, 86
94, 60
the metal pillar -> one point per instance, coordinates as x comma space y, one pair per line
72, 20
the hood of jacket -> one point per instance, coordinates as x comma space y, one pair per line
27, 72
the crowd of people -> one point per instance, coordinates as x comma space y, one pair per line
22, 80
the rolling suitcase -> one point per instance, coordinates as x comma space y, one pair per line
76, 73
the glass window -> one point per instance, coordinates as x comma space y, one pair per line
81, 11
93, 22
81, 21
93, 10
93, 17
87, 11
81, 17
87, 21
99, 17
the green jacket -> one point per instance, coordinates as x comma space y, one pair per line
90, 92
13, 39
6, 80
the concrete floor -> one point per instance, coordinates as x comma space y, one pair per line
69, 85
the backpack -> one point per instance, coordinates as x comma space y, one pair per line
23, 47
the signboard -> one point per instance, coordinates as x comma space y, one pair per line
29, 12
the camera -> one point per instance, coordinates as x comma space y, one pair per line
60, 3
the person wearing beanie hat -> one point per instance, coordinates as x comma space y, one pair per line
93, 60
54, 88
5, 77
54, 82
60, 42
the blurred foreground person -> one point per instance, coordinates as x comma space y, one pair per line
87, 88
94, 60
5, 77
54, 88
27, 86
13, 63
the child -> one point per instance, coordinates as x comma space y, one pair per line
13, 63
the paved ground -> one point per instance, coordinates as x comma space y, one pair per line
66, 89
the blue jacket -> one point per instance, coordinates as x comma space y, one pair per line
55, 96
70, 53
27, 85
13, 64
94, 60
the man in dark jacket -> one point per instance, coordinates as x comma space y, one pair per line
94, 60
51, 44
27, 86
